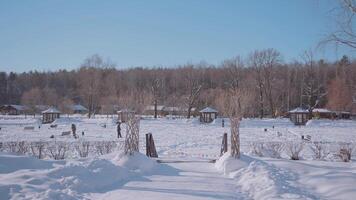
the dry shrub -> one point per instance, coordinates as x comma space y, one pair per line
345, 151
38, 149
58, 151
319, 150
104, 147
274, 149
294, 149
83, 149
257, 149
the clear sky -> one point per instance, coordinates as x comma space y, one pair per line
49, 35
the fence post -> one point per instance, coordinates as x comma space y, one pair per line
224, 145
147, 145
150, 146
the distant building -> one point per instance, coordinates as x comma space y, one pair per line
208, 115
13, 109
323, 113
40, 108
150, 110
49, 115
78, 109
299, 116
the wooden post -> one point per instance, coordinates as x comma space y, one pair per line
223, 145
147, 145
150, 146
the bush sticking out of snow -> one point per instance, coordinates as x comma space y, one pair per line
274, 149
294, 149
345, 151
319, 150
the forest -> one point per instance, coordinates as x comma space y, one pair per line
266, 85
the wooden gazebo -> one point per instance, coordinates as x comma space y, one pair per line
49, 115
208, 115
299, 116
125, 114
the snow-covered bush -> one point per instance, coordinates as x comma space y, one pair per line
294, 149
57, 151
104, 147
22, 147
257, 148
319, 150
345, 151
38, 149
274, 149
83, 148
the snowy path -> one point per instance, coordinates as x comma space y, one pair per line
193, 181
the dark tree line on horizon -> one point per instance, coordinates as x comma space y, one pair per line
269, 86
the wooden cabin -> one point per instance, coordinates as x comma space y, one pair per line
299, 116
49, 115
78, 109
150, 110
323, 113
13, 109
207, 115
125, 114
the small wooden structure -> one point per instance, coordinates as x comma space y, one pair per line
49, 115
125, 114
208, 115
299, 116
323, 113
13, 109
78, 109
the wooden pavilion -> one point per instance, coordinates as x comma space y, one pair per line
207, 115
49, 115
299, 116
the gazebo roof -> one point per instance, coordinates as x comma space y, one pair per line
125, 111
51, 110
299, 110
208, 110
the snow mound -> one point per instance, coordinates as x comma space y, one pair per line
24, 177
137, 162
228, 164
11, 162
93, 176
261, 180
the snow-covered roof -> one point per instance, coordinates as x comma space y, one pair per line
78, 107
208, 110
299, 110
125, 111
322, 110
17, 107
52, 110
171, 109
160, 108
41, 107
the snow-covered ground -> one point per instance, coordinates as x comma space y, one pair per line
114, 176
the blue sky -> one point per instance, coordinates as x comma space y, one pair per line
49, 35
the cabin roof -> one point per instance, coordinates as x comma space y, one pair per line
299, 110
208, 110
51, 110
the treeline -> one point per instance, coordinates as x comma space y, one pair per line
269, 86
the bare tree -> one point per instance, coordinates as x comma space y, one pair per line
193, 85
345, 21
313, 91
156, 88
132, 135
